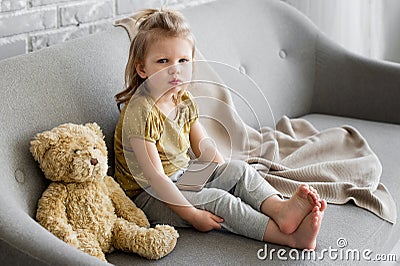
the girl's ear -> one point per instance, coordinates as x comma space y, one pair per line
140, 70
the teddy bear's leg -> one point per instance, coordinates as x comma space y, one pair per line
151, 243
90, 245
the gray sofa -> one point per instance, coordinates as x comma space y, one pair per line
303, 74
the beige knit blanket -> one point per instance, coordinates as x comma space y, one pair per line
338, 161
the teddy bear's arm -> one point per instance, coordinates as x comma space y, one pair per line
51, 214
124, 206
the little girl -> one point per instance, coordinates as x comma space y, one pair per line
159, 123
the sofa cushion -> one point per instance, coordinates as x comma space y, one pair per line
361, 228
357, 227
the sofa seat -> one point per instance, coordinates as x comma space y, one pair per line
360, 228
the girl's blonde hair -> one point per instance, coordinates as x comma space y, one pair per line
152, 25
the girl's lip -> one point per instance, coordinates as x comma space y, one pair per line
175, 82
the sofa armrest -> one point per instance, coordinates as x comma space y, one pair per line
23, 241
354, 86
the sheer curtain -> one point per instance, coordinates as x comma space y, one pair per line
390, 30
366, 27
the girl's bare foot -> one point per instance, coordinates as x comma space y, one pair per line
305, 237
288, 214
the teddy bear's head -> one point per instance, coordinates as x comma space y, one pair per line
71, 153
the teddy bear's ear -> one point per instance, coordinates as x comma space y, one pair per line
42, 143
96, 128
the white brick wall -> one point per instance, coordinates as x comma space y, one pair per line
30, 25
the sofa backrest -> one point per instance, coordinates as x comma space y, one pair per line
269, 41
73, 82
76, 81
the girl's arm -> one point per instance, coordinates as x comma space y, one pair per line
166, 191
202, 145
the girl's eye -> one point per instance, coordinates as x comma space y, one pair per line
162, 61
183, 60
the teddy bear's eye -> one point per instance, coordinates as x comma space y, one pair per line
94, 147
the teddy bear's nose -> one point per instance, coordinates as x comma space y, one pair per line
94, 161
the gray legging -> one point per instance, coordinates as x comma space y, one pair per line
235, 193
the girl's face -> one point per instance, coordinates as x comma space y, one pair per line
167, 65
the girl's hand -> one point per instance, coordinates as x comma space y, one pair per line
205, 221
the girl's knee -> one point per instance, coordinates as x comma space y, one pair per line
239, 163
237, 167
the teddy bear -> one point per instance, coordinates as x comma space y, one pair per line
85, 207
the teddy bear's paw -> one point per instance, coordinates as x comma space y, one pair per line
150, 243
90, 245
155, 243
72, 240
167, 229
95, 253
163, 240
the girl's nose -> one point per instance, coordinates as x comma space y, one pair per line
174, 69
